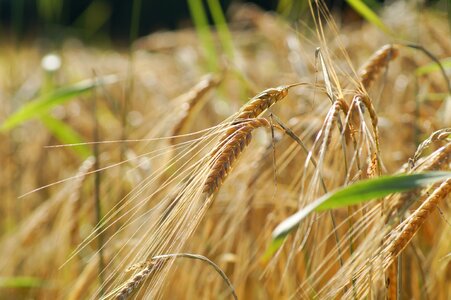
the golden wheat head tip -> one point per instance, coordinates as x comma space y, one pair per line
264, 100
378, 61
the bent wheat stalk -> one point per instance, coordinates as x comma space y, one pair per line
149, 267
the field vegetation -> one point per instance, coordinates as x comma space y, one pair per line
301, 154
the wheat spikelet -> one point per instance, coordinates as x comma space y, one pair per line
134, 283
361, 98
260, 103
191, 98
438, 158
331, 118
371, 110
438, 135
149, 266
228, 151
256, 107
432, 162
348, 128
238, 137
378, 61
411, 225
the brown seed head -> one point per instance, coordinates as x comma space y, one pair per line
378, 61
228, 151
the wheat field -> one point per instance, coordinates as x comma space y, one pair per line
183, 160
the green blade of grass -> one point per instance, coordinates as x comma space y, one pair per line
362, 9
356, 193
20, 282
66, 135
433, 67
44, 103
199, 18
221, 25
95, 16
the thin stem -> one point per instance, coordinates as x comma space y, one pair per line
204, 259
98, 208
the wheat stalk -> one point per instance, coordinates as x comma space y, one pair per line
148, 267
391, 283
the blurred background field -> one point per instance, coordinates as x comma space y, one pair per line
77, 72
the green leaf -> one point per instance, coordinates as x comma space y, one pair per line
66, 135
276, 243
356, 193
221, 26
20, 282
199, 17
44, 103
361, 8
433, 67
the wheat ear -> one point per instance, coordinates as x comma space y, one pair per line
376, 63
412, 224
408, 230
148, 267
131, 285
432, 162
191, 98
439, 135
228, 151
440, 157
260, 103
238, 137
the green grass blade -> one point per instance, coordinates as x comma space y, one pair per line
136, 18
362, 9
95, 16
66, 135
292, 10
356, 193
20, 282
44, 103
433, 67
199, 18
221, 25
